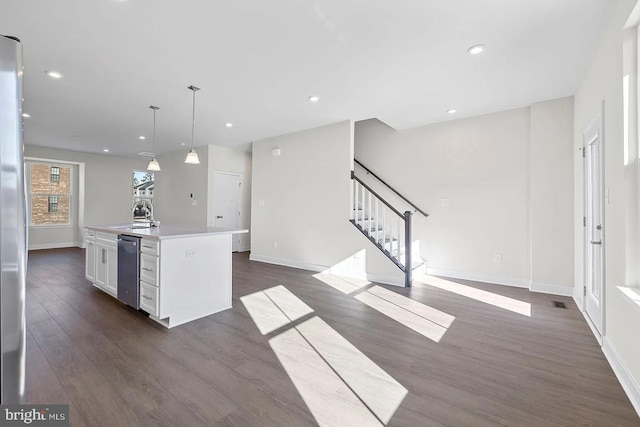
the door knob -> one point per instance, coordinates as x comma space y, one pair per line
218, 217
599, 227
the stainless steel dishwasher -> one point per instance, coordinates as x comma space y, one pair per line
129, 270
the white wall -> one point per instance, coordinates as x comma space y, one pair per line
603, 82
551, 194
222, 159
178, 185
492, 170
107, 179
631, 157
480, 166
300, 205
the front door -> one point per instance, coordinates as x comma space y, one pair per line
227, 203
594, 250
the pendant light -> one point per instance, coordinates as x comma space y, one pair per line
153, 164
192, 156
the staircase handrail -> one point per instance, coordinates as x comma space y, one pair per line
379, 197
390, 188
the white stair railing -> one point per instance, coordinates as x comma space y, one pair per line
384, 225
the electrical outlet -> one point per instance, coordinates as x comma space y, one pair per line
194, 202
189, 253
497, 258
444, 202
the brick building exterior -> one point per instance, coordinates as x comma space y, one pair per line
50, 189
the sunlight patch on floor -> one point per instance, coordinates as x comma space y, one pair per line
274, 308
378, 390
411, 320
339, 384
436, 316
496, 300
346, 285
425, 320
330, 400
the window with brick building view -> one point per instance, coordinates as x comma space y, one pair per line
50, 191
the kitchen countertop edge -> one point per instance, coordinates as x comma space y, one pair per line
164, 232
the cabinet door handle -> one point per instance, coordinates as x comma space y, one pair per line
104, 256
148, 247
146, 297
147, 269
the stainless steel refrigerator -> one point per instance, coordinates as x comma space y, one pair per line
13, 239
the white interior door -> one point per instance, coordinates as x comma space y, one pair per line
227, 203
594, 242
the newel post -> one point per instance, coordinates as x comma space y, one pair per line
408, 239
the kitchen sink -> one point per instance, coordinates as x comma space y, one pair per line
134, 227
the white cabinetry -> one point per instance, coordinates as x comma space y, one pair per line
106, 261
150, 276
90, 255
185, 274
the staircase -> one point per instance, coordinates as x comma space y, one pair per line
385, 226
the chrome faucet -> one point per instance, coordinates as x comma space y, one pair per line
144, 209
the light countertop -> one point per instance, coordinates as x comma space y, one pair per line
164, 231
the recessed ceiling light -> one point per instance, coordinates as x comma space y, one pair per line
228, 124
451, 111
106, 150
476, 49
142, 137
54, 74
314, 98
25, 115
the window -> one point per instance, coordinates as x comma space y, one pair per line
49, 194
53, 203
143, 185
55, 174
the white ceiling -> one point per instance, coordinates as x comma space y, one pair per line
257, 62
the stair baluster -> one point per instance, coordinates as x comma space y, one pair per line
386, 227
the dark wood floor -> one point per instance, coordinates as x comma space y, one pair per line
492, 367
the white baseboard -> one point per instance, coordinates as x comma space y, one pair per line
547, 288
246, 248
629, 384
593, 328
288, 263
518, 283
55, 246
577, 297
386, 280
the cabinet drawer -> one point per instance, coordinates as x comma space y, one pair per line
149, 298
89, 234
150, 247
149, 269
107, 238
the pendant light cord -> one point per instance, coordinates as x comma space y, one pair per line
193, 118
154, 133
154, 108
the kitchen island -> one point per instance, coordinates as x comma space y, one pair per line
185, 271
